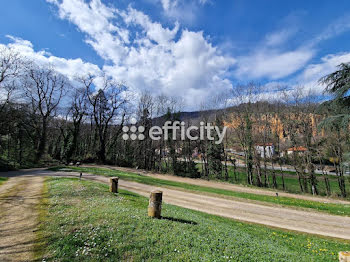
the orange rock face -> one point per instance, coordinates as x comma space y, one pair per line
279, 124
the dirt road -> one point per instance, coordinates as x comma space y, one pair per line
287, 218
226, 186
19, 200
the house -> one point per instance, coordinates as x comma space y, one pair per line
266, 150
296, 149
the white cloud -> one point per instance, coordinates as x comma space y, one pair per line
153, 31
68, 67
313, 72
168, 4
181, 10
148, 56
336, 28
307, 82
279, 37
272, 64
270, 59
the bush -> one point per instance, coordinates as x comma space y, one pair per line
186, 169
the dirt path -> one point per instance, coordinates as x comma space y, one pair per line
19, 199
227, 186
276, 216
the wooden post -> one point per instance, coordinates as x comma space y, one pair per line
113, 185
155, 204
344, 256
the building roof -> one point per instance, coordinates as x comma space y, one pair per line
297, 149
266, 144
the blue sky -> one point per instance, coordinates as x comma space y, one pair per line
192, 49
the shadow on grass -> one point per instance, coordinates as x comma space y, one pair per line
130, 194
180, 220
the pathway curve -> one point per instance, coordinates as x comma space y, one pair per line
276, 216
226, 186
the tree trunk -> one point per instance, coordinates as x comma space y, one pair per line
42, 142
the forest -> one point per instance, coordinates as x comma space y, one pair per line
48, 119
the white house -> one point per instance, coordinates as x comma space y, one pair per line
266, 150
298, 150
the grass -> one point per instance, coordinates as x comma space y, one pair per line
2, 180
85, 222
290, 180
336, 209
42, 208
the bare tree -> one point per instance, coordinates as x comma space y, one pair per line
308, 132
338, 143
44, 88
145, 148
107, 104
319, 148
76, 112
11, 64
292, 120
245, 96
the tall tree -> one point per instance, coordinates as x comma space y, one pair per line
338, 85
11, 64
107, 104
77, 110
215, 154
245, 96
44, 88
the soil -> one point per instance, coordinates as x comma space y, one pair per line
19, 217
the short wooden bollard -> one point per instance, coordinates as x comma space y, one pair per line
155, 204
344, 256
113, 185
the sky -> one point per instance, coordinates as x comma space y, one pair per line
190, 49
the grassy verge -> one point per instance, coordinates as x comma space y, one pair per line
290, 179
39, 246
336, 209
85, 222
2, 180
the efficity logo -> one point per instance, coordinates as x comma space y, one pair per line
133, 132
175, 130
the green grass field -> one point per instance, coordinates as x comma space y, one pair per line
2, 180
337, 209
84, 222
290, 180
